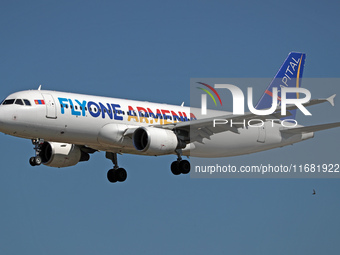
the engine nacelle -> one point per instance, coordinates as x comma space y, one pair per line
156, 141
61, 154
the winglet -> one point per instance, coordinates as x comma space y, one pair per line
331, 99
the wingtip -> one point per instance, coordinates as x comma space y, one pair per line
331, 99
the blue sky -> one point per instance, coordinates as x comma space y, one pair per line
149, 50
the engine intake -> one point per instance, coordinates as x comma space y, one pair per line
156, 141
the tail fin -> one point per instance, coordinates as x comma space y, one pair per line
289, 75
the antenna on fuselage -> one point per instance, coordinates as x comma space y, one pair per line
182, 104
39, 87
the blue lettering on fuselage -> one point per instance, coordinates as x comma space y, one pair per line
62, 104
106, 110
82, 106
73, 111
114, 108
95, 109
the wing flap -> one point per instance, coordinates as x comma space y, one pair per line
310, 129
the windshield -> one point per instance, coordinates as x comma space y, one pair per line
17, 101
27, 102
8, 101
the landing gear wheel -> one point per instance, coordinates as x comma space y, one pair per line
38, 143
111, 176
184, 166
121, 174
175, 168
37, 160
180, 166
32, 161
115, 175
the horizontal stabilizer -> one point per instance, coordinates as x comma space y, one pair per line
309, 129
312, 102
331, 99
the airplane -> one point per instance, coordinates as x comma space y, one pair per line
65, 128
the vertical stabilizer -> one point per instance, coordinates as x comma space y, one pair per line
289, 75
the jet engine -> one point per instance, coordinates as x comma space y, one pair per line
156, 141
62, 154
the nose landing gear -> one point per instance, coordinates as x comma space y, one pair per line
36, 161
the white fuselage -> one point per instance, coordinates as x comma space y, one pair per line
81, 119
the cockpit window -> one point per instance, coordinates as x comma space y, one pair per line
27, 102
16, 101
8, 101
19, 102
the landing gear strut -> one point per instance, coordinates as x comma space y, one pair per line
117, 173
36, 161
180, 166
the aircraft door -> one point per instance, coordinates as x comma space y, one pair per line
262, 134
51, 111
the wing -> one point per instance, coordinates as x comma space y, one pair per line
204, 128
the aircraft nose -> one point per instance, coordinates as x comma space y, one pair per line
2, 118
1, 114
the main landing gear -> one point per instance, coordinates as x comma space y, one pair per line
117, 173
36, 161
180, 166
